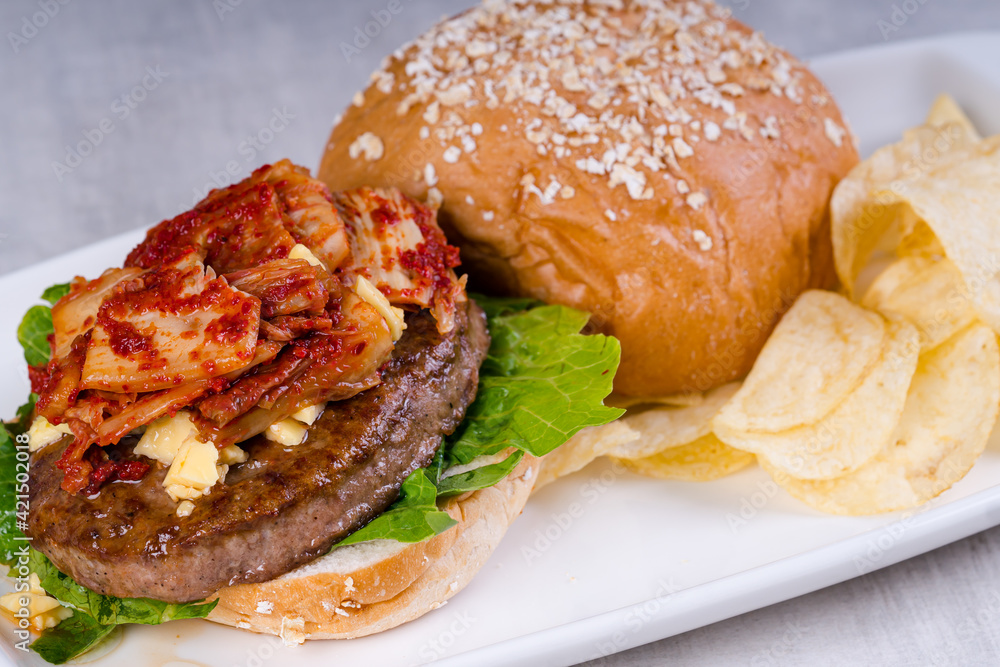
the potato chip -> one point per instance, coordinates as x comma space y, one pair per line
946, 110
919, 241
929, 294
850, 435
861, 216
819, 353
703, 460
893, 275
950, 411
581, 449
663, 427
959, 201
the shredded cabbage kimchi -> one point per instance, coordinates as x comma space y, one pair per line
254, 305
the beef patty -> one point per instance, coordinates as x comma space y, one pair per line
283, 507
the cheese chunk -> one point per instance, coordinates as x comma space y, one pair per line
373, 296
231, 455
195, 466
41, 433
165, 436
299, 251
309, 415
193, 472
184, 508
287, 432
43, 611
292, 431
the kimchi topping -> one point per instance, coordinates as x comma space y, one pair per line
242, 313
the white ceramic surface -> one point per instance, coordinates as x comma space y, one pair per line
603, 560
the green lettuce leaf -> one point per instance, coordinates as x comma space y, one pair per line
414, 517
36, 326
70, 639
108, 610
495, 306
436, 469
56, 292
11, 537
9, 532
33, 334
479, 478
542, 382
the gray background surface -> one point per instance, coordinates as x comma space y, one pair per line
227, 69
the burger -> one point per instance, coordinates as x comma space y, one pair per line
285, 413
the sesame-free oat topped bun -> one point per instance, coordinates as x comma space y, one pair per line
655, 163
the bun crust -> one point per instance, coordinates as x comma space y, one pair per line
370, 587
658, 165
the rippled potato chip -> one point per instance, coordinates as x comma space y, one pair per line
819, 353
864, 210
896, 275
850, 435
950, 411
959, 201
930, 294
919, 241
946, 110
581, 449
703, 460
661, 428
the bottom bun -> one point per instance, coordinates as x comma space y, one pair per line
369, 587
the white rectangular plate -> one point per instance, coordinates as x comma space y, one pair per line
602, 560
